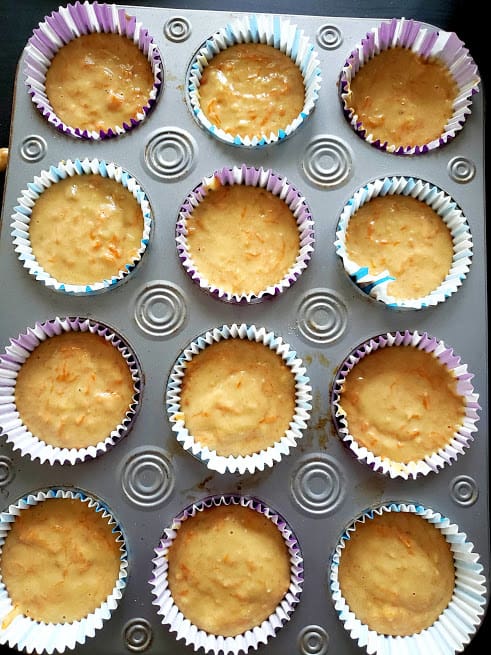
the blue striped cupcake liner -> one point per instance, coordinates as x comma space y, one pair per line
21, 219
270, 30
377, 285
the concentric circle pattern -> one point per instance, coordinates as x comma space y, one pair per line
160, 309
313, 640
177, 29
33, 148
137, 635
329, 37
327, 161
322, 316
464, 490
147, 477
317, 485
170, 153
461, 169
7, 472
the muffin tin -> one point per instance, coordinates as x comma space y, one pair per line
147, 478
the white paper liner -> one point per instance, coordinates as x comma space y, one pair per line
426, 42
241, 463
278, 186
23, 633
21, 219
461, 439
184, 629
68, 23
269, 30
457, 623
11, 425
376, 286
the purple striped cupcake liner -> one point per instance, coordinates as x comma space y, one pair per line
11, 361
68, 23
377, 285
432, 462
276, 185
268, 30
21, 219
457, 624
177, 623
22, 632
429, 43
240, 463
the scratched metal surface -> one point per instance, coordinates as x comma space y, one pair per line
147, 478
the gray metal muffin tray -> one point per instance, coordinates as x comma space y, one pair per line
147, 478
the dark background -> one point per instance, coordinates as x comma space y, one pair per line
19, 17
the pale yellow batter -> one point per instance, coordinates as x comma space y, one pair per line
85, 229
228, 569
401, 403
251, 89
73, 390
397, 573
242, 238
99, 81
60, 561
238, 397
402, 98
404, 236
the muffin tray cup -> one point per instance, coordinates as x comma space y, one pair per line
252, 638
320, 318
23, 632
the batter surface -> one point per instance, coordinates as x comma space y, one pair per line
251, 89
85, 229
238, 397
73, 390
401, 403
404, 236
60, 561
228, 569
402, 98
99, 81
397, 573
242, 238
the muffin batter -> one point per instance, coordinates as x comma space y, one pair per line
396, 573
73, 390
85, 229
401, 403
238, 397
402, 98
99, 81
251, 89
60, 561
404, 236
242, 239
228, 569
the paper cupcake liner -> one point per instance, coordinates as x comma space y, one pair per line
72, 21
446, 356
375, 285
184, 629
21, 219
457, 623
27, 634
11, 425
256, 177
269, 30
426, 42
240, 463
